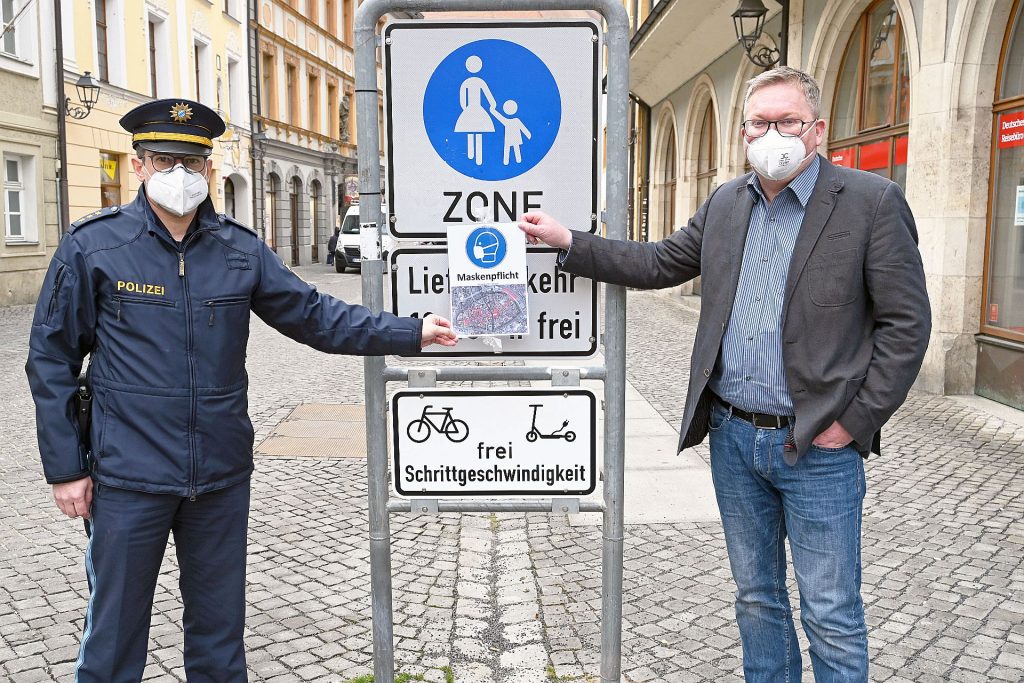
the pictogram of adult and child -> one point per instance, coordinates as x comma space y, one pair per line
476, 121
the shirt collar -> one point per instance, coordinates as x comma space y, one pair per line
802, 185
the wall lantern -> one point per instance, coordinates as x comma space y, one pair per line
748, 21
88, 92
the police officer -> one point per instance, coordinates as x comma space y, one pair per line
159, 292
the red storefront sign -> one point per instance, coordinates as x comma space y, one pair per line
1010, 130
874, 156
901, 151
845, 157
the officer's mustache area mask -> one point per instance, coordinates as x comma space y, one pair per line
177, 190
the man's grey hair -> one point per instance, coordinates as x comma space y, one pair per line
787, 74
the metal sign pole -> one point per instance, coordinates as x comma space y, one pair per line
377, 374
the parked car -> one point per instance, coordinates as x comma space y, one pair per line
346, 254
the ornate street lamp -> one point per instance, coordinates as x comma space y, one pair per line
748, 21
88, 92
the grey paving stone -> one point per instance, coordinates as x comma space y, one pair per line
943, 549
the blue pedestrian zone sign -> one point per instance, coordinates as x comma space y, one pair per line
492, 110
486, 120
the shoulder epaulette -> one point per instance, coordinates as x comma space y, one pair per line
230, 220
94, 216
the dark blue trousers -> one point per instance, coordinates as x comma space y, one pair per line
128, 536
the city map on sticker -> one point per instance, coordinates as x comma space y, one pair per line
487, 270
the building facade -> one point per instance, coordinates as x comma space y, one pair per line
929, 93
141, 50
303, 67
28, 136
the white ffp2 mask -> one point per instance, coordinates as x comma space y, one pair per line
775, 156
177, 190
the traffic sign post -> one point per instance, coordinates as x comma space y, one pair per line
493, 114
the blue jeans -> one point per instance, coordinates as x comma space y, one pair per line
816, 504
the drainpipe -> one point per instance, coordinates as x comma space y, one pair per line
62, 133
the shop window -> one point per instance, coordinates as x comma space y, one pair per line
315, 222
1003, 308
270, 210
110, 179
870, 111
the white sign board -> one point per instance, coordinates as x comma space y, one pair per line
487, 266
523, 442
563, 306
487, 120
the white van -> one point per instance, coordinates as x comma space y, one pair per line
346, 254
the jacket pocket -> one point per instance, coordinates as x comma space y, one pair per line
120, 302
145, 438
836, 279
852, 387
213, 304
58, 280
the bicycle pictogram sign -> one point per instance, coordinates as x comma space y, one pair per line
419, 430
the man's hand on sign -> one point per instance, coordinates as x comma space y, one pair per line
74, 498
437, 330
540, 227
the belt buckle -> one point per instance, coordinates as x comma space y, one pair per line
761, 423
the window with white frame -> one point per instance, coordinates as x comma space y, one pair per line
19, 202
19, 37
237, 100
203, 73
158, 51
9, 11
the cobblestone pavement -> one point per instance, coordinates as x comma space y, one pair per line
516, 598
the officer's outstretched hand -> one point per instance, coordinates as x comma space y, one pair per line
74, 498
540, 227
437, 330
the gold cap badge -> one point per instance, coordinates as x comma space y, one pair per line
181, 113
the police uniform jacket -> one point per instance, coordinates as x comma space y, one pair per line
167, 326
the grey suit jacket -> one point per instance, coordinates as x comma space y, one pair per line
855, 318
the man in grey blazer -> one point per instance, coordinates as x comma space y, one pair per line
813, 326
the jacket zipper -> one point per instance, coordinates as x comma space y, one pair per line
191, 370
56, 290
228, 301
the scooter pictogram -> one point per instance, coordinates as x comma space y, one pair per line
535, 433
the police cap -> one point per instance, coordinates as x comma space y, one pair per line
174, 126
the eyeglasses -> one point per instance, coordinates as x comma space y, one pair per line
165, 162
787, 128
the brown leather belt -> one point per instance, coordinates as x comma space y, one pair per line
759, 420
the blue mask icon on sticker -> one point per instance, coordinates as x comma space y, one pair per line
486, 247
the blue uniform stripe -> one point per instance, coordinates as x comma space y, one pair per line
90, 573
750, 373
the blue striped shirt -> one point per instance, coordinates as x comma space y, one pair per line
750, 373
